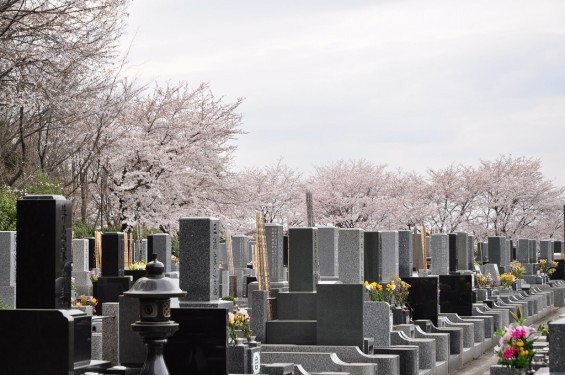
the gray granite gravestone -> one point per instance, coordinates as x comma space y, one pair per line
405, 251
498, 252
462, 251
274, 248
485, 251
81, 272
8, 268
328, 238
439, 252
160, 244
351, 255
546, 250
523, 250
557, 346
303, 264
533, 251
377, 322
388, 254
470, 251
492, 269
240, 245
199, 270
43, 251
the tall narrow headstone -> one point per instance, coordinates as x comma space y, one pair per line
497, 251
328, 238
462, 252
388, 254
470, 251
485, 251
523, 250
371, 256
440, 254
160, 244
351, 255
558, 248
112, 254
405, 251
546, 250
533, 251
91, 253
453, 261
303, 274
240, 249
43, 250
8, 268
80, 267
274, 244
199, 238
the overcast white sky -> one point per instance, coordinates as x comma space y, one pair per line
412, 84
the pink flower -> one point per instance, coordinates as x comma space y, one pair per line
519, 332
509, 353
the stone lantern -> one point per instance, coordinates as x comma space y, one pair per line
154, 292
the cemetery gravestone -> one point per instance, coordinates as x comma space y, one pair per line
8, 268
199, 273
351, 255
328, 238
439, 250
388, 254
303, 267
43, 250
160, 244
91, 253
470, 251
523, 250
113, 254
462, 251
456, 294
497, 251
371, 259
546, 250
423, 297
405, 251
533, 251
274, 244
80, 271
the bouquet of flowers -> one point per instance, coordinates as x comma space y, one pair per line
239, 319
137, 266
400, 290
516, 345
547, 267
517, 269
83, 300
506, 279
483, 281
379, 293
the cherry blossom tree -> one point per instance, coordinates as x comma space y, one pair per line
350, 194
170, 156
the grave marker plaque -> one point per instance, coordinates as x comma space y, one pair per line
274, 248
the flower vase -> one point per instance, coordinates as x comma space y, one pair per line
400, 315
482, 294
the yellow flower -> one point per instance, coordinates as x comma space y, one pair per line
366, 283
93, 301
519, 343
374, 285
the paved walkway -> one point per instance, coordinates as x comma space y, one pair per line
481, 365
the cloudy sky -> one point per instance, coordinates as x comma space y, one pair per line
409, 83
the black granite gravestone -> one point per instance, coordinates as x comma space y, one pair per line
199, 347
113, 254
47, 342
423, 298
339, 313
455, 294
285, 251
370, 257
453, 258
91, 253
44, 252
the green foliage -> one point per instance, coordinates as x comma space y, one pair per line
4, 306
41, 184
8, 200
82, 230
518, 318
